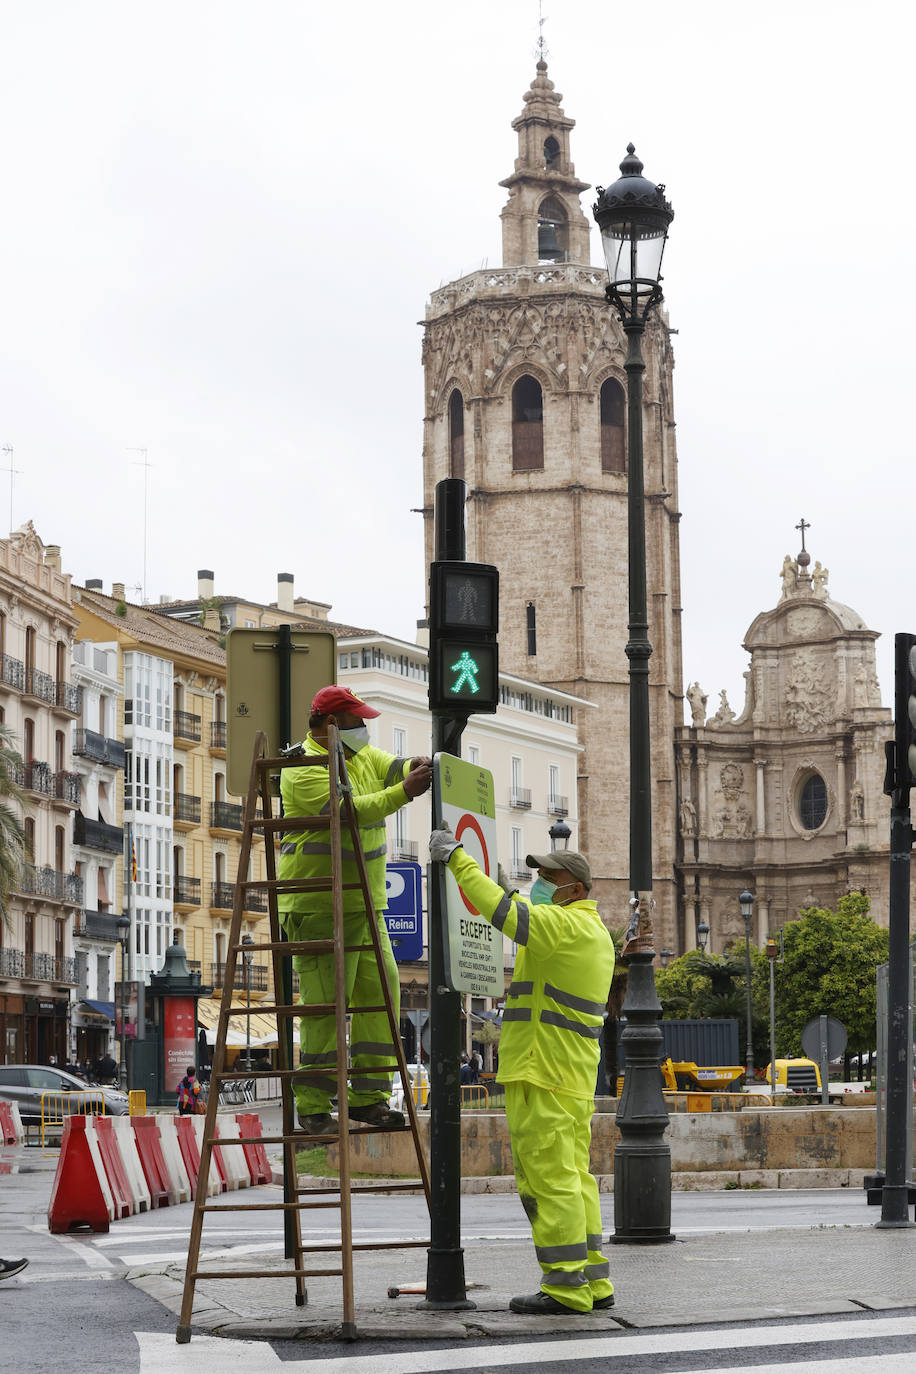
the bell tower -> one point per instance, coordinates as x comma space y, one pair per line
525, 396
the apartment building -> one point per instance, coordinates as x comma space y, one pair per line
38, 702
184, 825
98, 846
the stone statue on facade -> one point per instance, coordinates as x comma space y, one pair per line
819, 578
725, 715
857, 801
688, 817
789, 577
697, 699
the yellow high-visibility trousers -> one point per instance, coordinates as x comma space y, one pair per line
370, 1034
550, 1134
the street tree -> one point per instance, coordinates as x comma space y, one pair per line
829, 969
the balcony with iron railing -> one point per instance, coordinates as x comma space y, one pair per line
255, 900
68, 698
48, 882
187, 890
98, 834
222, 896
37, 968
404, 851
12, 672
97, 925
217, 734
225, 816
558, 806
519, 871
33, 777
40, 685
67, 788
520, 798
258, 974
99, 748
186, 730
187, 810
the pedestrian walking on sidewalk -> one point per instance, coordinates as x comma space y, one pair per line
548, 1062
188, 1092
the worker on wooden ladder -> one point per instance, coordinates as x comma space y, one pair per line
380, 784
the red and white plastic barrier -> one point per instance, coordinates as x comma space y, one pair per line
112, 1167
9, 1135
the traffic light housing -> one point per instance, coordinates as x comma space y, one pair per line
463, 649
904, 711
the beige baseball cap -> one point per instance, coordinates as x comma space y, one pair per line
567, 860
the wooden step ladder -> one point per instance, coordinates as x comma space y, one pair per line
340, 818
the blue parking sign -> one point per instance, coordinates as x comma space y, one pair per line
404, 912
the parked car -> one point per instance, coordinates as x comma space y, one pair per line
25, 1083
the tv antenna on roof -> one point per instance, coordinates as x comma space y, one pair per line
8, 450
145, 464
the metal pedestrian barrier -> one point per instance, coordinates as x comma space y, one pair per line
56, 1107
340, 821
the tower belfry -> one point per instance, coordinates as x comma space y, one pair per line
543, 220
526, 400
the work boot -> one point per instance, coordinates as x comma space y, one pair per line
8, 1268
320, 1123
541, 1304
600, 1303
377, 1114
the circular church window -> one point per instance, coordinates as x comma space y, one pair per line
812, 802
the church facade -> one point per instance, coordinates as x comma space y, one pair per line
786, 798
525, 398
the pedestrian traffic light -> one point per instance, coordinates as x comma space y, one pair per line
905, 711
463, 650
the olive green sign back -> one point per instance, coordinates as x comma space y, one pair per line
254, 696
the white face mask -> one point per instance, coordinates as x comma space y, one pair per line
355, 738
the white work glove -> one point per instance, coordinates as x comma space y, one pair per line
442, 844
505, 882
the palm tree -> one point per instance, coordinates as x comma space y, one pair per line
12, 832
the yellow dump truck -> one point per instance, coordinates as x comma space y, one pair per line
685, 1076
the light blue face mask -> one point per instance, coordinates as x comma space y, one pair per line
543, 892
356, 738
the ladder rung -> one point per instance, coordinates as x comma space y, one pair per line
331, 1249
298, 1136
265, 1273
363, 1188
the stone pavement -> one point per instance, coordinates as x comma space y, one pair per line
701, 1279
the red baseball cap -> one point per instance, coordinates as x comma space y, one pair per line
332, 699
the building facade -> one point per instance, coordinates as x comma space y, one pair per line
525, 398
98, 848
38, 703
786, 798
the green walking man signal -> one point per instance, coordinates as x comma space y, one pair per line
463, 649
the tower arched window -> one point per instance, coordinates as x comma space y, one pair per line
456, 434
527, 425
613, 427
551, 150
553, 236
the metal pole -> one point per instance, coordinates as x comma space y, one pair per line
749, 1073
895, 1191
642, 1160
123, 1072
772, 1032
248, 1012
283, 646
445, 1282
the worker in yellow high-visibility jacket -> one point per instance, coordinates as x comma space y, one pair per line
548, 1061
380, 785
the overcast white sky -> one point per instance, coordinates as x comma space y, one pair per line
220, 223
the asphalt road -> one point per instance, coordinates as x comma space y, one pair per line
73, 1301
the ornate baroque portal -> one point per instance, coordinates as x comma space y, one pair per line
525, 399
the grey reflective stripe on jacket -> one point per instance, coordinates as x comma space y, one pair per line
564, 1278
395, 772
517, 1014
566, 999
349, 855
553, 1018
520, 990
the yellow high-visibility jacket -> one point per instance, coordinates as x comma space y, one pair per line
557, 1001
376, 780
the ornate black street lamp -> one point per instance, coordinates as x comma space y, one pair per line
746, 903
560, 834
702, 936
633, 216
665, 957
